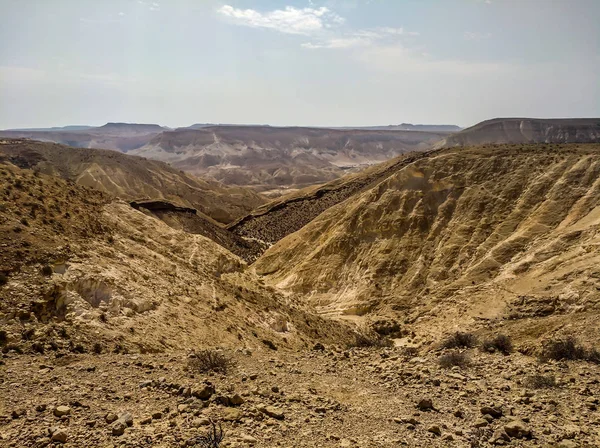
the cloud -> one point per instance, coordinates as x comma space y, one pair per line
152, 6
470, 35
290, 20
360, 38
121, 14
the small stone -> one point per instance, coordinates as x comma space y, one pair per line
566, 444
272, 411
126, 418
480, 423
59, 435
232, 415
425, 404
236, 400
118, 428
62, 410
494, 412
435, 429
111, 417
157, 415
500, 434
517, 429
204, 392
146, 421
196, 423
246, 438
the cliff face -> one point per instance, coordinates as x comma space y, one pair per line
526, 130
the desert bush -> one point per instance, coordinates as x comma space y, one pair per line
540, 381
212, 439
47, 270
563, 349
501, 343
38, 347
209, 360
361, 340
3, 279
460, 340
593, 355
97, 348
3, 337
454, 358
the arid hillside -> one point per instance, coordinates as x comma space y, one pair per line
274, 220
79, 269
526, 130
490, 235
131, 177
271, 158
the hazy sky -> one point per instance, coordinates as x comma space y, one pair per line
319, 62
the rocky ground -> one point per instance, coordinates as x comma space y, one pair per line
335, 397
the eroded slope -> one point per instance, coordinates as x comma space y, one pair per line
460, 236
286, 215
79, 270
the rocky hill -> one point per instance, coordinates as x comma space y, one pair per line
459, 238
131, 177
526, 130
271, 158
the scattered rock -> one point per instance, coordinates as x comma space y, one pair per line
517, 429
59, 411
59, 435
435, 429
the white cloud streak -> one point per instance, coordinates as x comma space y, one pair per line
290, 20
360, 38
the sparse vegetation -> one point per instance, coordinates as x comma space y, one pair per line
213, 438
568, 349
454, 358
541, 381
501, 343
460, 340
47, 270
209, 360
361, 340
97, 348
3, 279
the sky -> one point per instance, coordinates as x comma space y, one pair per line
296, 62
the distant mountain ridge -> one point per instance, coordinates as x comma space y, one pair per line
526, 130
273, 158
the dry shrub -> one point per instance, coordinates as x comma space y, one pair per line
210, 360
563, 349
541, 381
212, 439
501, 343
362, 340
460, 340
454, 358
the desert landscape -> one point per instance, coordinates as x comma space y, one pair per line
381, 228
